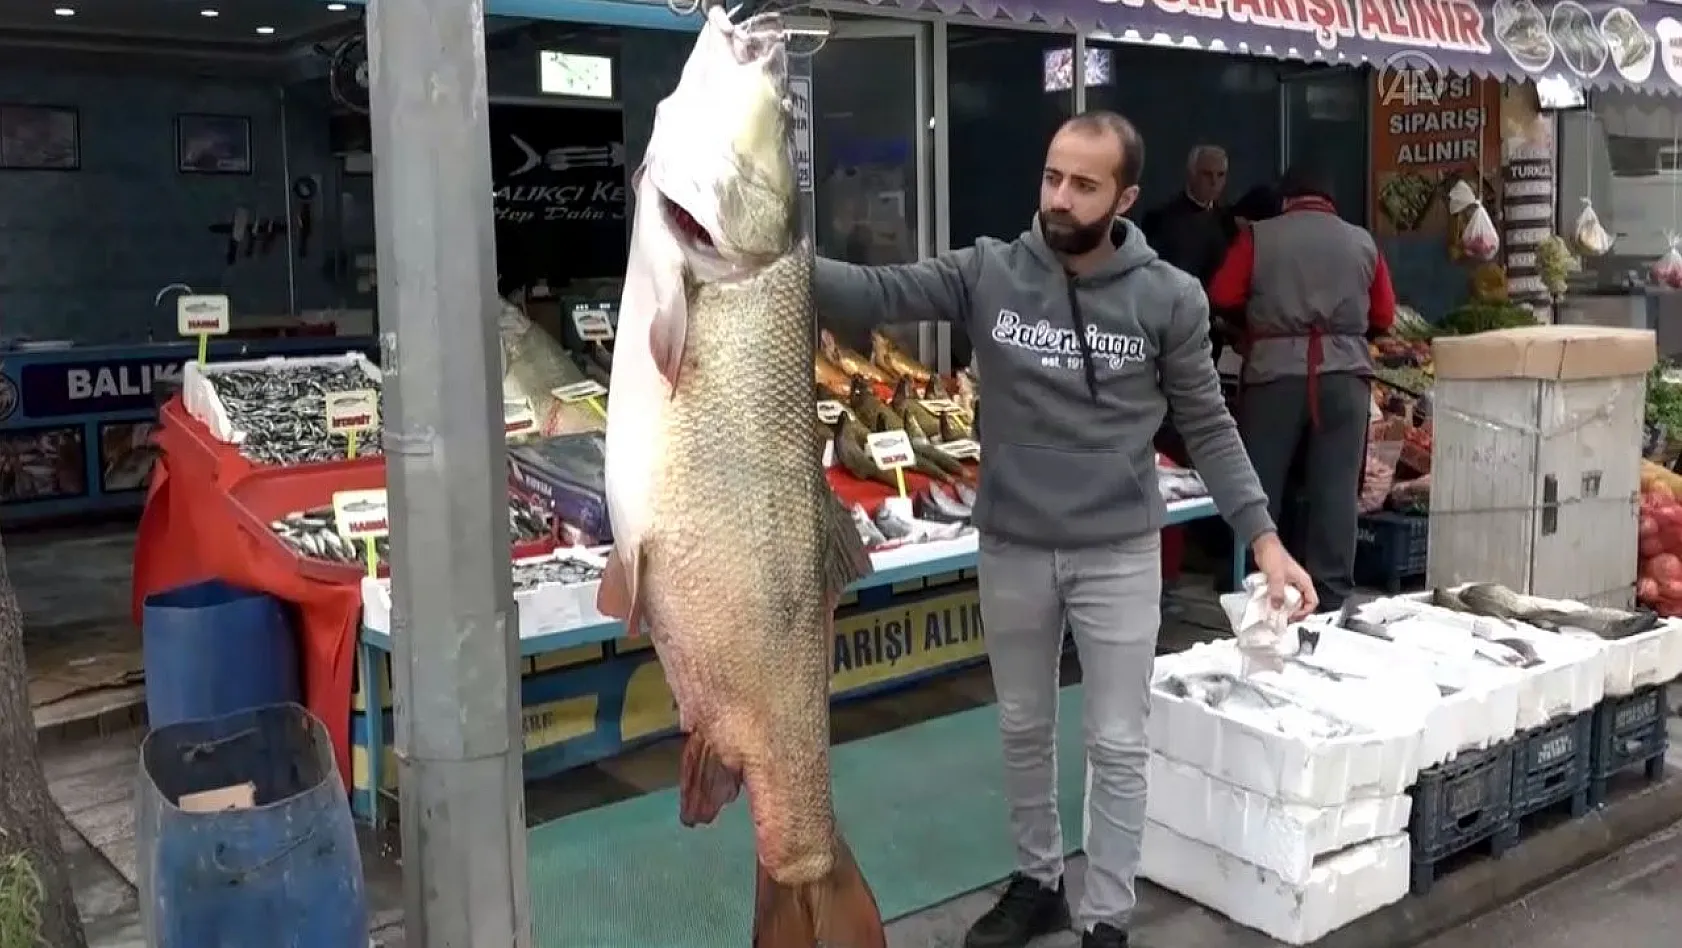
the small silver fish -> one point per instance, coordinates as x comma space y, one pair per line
871, 536
893, 526
938, 505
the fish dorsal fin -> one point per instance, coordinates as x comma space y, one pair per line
845, 561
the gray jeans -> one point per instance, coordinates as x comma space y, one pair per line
1110, 597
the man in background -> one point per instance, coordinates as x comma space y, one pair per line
1192, 230
1313, 289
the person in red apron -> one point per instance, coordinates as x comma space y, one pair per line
1312, 290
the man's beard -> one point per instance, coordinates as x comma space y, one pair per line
1066, 235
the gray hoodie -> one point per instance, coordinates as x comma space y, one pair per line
1068, 459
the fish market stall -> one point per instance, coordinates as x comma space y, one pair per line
76, 422
1388, 739
590, 692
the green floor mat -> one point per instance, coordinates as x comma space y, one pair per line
923, 808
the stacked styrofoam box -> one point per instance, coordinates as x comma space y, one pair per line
546, 609
1572, 675
1631, 663
1293, 835
200, 398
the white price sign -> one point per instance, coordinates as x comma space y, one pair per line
361, 514
517, 417
352, 412
891, 450
593, 324
201, 315
579, 391
829, 410
939, 406
963, 450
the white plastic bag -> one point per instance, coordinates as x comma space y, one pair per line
1667, 270
1478, 240
1259, 627
1591, 238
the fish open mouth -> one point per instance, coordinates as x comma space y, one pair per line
687, 227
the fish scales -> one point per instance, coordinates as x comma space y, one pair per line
742, 638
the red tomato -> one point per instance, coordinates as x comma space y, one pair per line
1649, 525
1650, 547
1647, 590
1665, 567
1670, 590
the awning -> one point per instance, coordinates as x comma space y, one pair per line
1600, 45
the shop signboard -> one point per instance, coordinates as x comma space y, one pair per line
1430, 130
1597, 44
559, 190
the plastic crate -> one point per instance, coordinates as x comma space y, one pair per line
1629, 732
1391, 549
1459, 805
1551, 766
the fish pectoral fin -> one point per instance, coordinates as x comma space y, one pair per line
838, 910
707, 785
846, 561
668, 333
616, 597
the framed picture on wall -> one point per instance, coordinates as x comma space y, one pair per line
40, 138
212, 144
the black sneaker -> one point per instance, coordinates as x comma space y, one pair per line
1026, 911
1104, 935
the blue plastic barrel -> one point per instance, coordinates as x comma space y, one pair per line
212, 648
284, 873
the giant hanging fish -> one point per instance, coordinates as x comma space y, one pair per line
730, 548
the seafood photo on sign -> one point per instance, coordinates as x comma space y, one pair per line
1632, 50
1522, 31
1574, 34
740, 609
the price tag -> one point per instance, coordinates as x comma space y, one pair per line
891, 450
829, 410
593, 323
579, 391
201, 315
939, 406
361, 514
353, 412
517, 417
962, 449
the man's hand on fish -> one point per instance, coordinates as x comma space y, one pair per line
1283, 572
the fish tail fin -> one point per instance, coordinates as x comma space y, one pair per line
845, 561
838, 910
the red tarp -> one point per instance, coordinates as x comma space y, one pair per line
189, 533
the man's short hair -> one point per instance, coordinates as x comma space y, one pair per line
1305, 180
1204, 151
1104, 121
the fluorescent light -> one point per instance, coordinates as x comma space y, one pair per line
336, 7
64, 11
210, 13
265, 30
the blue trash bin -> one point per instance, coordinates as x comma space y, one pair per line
285, 873
212, 649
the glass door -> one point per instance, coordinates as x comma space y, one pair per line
1323, 118
871, 112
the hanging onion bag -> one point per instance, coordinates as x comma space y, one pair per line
1591, 238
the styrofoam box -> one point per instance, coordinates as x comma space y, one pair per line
204, 404
1379, 759
1635, 662
1283, 838
546, 609
1343, 887
1570, 680
1481, 712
